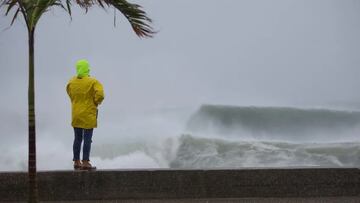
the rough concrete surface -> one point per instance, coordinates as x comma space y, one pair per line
242, 200
265, 185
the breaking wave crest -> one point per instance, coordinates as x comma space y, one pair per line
191, 152
282, 123
195, 152
235, 137
213, 137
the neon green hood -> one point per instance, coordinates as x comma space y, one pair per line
82, 68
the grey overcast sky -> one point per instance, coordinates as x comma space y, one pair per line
238, 52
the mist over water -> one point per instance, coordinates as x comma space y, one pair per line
277, 123
231, 137
200, 153
211, 136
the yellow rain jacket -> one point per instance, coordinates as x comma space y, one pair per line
85, 93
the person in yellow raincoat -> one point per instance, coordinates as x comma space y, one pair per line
86, 94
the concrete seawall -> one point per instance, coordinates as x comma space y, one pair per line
183, 184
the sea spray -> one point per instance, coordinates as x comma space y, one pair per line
213, 137
236, 137
195, 152
276, 123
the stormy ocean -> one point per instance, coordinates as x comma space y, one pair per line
233, 137
208, 136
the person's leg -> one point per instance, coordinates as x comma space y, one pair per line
78, 136
86, 149
87, 144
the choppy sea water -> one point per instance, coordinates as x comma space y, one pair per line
209, 137
235, 137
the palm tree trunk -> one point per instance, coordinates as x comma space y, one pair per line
33, 190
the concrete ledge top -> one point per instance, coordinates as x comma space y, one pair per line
184, 184
202, 169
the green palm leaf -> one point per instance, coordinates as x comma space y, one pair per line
136, 16
134, 13
32, 10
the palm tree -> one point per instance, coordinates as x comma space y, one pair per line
31, 11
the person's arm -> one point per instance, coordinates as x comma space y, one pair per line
99, 93
68, 90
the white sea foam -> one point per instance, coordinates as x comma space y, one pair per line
216, 138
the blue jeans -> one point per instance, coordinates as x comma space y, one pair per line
81, 134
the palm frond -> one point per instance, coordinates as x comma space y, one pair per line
39, 7
15, 15
136, 16
134, 13
32, 10
68, 6
101, 3
11, 4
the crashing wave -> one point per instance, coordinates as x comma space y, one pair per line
284, 123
